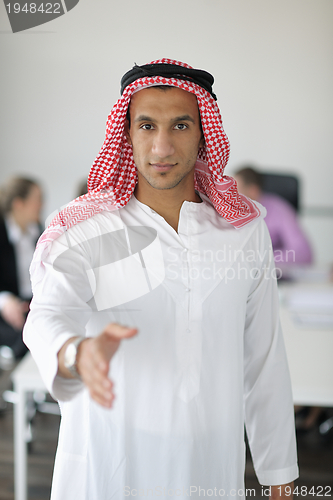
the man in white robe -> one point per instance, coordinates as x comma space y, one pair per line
155, 321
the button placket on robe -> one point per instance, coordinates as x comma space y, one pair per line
188, 314
189, 335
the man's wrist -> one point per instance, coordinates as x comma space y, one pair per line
63, 371
70, 356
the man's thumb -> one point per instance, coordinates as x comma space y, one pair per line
118, 332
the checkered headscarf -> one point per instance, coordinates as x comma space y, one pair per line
113, 175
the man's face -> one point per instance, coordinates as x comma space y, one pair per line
165, 135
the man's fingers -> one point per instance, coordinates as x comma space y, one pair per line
101, 389
102, 394
99, 385
91, 362
111, 337
93, 358
102, 400
118, 332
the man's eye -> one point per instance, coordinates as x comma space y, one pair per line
180, 126
147, 126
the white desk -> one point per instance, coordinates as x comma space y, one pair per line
26, 378
310, 353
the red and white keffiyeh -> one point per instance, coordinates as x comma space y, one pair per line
113, 175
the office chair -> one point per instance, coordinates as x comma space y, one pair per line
284, 185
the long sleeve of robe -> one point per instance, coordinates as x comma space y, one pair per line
209, 356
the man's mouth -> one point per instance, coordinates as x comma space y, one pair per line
162, 167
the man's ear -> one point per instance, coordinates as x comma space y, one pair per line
202, 141
127, 132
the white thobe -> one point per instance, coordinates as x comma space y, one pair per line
209, 356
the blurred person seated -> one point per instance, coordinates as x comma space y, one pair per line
290, 244
20, 203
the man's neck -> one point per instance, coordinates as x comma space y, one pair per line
166, 202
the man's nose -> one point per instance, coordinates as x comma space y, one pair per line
163, 145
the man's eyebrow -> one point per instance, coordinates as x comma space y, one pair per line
143, 118
183, 118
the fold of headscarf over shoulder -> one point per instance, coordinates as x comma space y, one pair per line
113, 175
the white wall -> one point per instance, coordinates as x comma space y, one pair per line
272, 63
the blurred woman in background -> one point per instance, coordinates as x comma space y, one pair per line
20, 204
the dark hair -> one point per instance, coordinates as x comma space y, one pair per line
250, 176
15, 187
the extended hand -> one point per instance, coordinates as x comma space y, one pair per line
13, 311
93, 358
